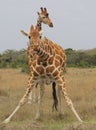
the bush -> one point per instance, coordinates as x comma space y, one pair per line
15, 59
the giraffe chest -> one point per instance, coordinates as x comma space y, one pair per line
50, 67
50, 71
42, 72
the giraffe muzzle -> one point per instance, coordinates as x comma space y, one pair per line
51, 25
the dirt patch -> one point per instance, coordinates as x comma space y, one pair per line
85, 126
3, 93
32, 126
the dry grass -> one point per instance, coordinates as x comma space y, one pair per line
81, 85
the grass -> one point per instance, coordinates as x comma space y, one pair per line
81, 85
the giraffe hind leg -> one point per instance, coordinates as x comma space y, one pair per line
40, 97
61, 111
32, 95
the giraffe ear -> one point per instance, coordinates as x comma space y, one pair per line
31, 28
38, 13
24, 33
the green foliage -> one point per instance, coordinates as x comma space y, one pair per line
15, 59
25, 68
80, 58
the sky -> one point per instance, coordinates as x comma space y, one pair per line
74, 23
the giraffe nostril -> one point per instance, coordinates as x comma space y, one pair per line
51, 25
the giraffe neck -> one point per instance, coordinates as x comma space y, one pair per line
44, 49
51, 53
39, 23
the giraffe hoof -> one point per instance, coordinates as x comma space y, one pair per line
81, 121
61, 113
6, 121
37, 117
29, 102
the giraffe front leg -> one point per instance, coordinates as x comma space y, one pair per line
22, 101
41, 93
68, 100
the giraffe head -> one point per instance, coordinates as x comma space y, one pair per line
44, 17
34, 35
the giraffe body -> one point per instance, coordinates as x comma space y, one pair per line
50, 65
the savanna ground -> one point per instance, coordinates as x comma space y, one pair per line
81, 85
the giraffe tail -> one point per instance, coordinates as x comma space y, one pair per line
55, 100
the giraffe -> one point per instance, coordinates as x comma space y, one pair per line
43, 17
49, 66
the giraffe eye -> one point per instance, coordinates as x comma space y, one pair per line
43, 17
47, 14
29, 37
